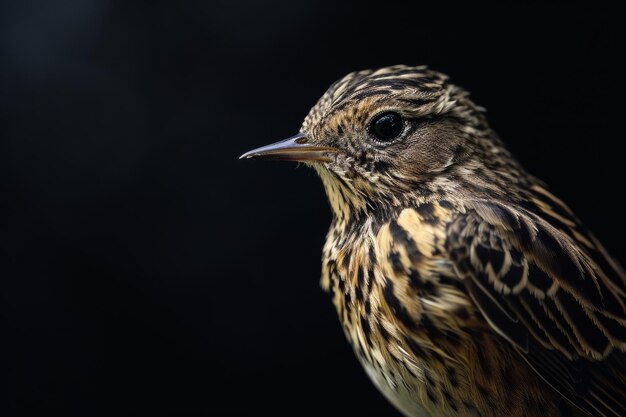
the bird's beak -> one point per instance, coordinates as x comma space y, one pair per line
295, 148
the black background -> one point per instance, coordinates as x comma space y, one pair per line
146, 271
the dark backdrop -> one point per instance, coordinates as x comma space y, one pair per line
146, 271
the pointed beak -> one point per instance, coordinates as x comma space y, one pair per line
295, 148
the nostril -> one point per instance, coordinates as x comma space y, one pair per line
301, 140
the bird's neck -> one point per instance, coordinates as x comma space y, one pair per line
353, 202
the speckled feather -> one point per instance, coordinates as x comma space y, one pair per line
464, 285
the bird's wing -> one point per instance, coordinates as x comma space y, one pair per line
547, 286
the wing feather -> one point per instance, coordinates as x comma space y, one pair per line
546, 285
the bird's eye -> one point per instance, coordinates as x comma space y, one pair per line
387, 126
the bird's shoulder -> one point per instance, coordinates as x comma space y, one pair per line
538, 255
547, 285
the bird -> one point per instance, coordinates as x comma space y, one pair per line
464, 285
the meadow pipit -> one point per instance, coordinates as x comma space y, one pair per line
464, 285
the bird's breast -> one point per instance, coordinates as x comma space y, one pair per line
397, 269
394, 288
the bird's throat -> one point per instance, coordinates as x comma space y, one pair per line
344, 201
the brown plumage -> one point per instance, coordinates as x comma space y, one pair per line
464, 285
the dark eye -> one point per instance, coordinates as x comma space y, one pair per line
387, 126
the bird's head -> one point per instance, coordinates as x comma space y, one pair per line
378, 138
